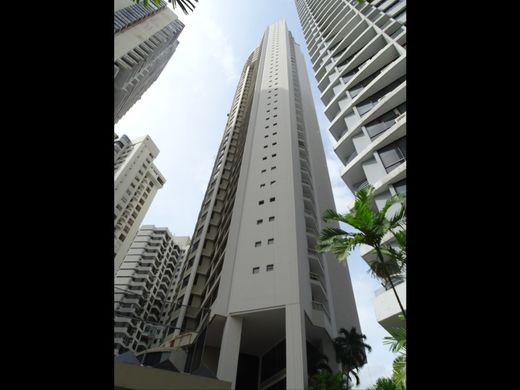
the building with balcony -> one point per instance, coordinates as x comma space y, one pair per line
358, 53
254, 300
145, 38
136, 181
143, 289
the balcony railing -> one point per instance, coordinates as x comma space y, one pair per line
321, 307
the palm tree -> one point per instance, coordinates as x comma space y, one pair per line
397, 342
351, 352
371, 227
183, 4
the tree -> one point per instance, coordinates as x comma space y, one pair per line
185, 5
325, 380
371, 226
397, 342
350, 351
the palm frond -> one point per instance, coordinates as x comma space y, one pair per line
333, 215
397, 340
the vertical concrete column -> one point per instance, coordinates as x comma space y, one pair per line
296, 349
229, 351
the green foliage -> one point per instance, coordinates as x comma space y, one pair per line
397, 343
371, 227
185, 5
350, 349
388, 384
325, 380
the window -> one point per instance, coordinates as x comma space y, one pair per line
275, 133
262, 185
259, 221
384, 122
271, 219
274, 181
263, 170
267, 127
267, 135
258, 243
269, 267
261, 202
400, 186
256, 270
267, 118
272, 199
394, 154
265, 146
273, 168
270, 241
273, 155
367, 104
264, 158
274, 143
274, 124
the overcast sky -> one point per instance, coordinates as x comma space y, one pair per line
184, 112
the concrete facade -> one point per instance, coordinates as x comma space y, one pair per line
358, 53
143, 289
136, 181
253, 292
145, 39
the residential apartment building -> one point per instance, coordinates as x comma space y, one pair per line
143, 289
255, 301
358, 53
145, 38
136, 181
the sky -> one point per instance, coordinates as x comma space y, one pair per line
185, 112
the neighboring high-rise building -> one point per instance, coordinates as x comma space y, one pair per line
145, 38
136, 181
255, 302
143, 289
358, 53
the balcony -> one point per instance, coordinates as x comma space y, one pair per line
318, 286
321, 307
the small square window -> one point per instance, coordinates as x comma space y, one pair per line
264, 158
262, 185
274, 181
273, 155
271, 219
275, 133
261, 202
274, 124
267, 119
274, 143
267, 126
267, 135
258, 243
271, 199
256, 270
270, 241
275, 116
259, 221
273, 168
265, 146
269, 267
263, 170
